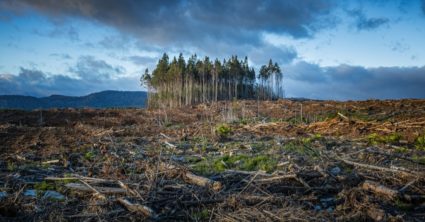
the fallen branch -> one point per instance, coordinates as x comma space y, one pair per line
50, 162
129, 190
103, 190
170, 145
284, 177
373, 167
379, 189
388, 192
202, 181
342, 116
191, 178
96, 192
137, 208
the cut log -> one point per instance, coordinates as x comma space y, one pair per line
380, 189
137, 208
189, 177
202, 181
390, 193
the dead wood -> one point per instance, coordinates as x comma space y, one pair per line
191, 178
388, 192
137, 208
380, 189
102, 190
384, 169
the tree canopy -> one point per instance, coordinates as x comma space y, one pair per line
178, 82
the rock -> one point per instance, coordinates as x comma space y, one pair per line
53, 195
335, 171
30, 193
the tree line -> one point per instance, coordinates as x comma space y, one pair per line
179, 82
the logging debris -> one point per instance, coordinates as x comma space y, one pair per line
339, 161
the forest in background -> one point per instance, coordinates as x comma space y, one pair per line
179, 82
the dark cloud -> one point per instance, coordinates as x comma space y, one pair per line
37, 83
189, 20
60, 31
364, 23
93, 69
345, 82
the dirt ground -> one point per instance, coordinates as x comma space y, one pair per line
286, 160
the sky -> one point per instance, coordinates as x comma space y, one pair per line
327, 49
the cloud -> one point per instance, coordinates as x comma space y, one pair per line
280, 54
190, 21
364, 23
91, 75
63, 56
115, 42
37, 83
60, 31
345, 82
141, 60
93, 69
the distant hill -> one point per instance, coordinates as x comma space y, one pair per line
104, 99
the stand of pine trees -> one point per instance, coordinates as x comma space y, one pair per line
179, 82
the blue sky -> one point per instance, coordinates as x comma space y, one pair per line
327, 49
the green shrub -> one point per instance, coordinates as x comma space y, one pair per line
420, 143
89, 155
375, 139
223, 130
238, 162
43, 186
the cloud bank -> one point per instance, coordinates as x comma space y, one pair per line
91, 75
345, 82
190, 20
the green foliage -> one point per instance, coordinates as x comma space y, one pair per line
375, 139
201, 215
401, 150
44, 185
201, 144
177, 82
89, 155
11, 166
301, 147
243, 162
420, 143
238, 162
420, 159
223, 130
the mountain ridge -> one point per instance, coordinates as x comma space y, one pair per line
103, 99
